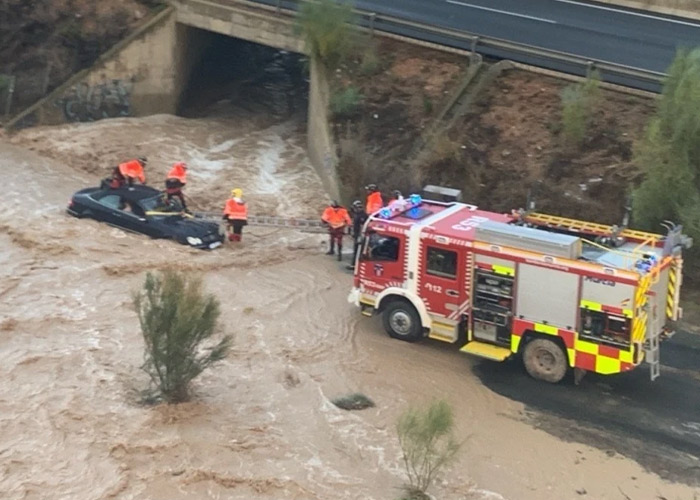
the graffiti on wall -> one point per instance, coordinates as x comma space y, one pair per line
86, 103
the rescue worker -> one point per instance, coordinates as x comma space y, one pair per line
125, 173
359, 217
374, 199
175, 181
236, 215
337, 219
396, 197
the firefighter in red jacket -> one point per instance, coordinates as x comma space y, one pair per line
337, 219
236, 215
374, 199
125, 173
175, 181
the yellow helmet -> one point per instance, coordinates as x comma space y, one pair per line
236, 193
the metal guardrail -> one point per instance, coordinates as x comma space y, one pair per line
620, 74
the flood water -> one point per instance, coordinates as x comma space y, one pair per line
261, 425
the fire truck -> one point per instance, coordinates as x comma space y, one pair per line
563, 294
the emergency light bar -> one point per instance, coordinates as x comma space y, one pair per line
400, 205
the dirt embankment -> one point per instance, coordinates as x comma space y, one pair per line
44, 42
507, 141
400, 94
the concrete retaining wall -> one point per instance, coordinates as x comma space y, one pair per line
320, 144
135, 77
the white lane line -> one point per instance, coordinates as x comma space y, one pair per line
629, 13
533, 18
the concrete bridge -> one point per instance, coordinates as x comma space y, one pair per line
150, 71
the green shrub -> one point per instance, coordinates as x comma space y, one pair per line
176, 319
669, 153
325, 26
578, 102
369, 63
427, 445
427, 105
345, 103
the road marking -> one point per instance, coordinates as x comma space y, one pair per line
630, 13
533, 18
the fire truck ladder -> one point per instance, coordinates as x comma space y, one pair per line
641, 335
587, 227
306, 225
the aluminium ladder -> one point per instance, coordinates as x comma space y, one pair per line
305, 225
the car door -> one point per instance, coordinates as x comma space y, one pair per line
114, 210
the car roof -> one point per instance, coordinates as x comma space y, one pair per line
136, 193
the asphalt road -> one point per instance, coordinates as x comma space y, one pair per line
603, 32
655, 423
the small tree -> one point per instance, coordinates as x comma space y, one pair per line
324, 24
427, 445
577, 103
669, 153
345, 103
176, 319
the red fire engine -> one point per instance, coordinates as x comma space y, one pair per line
562, 293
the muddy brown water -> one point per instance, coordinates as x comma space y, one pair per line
261, 424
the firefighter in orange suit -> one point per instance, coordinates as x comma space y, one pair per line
374, 199
175, 181
125, 173
236, 214
337, 219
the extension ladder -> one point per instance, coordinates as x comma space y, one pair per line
305, 225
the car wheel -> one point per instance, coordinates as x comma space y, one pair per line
401, 321
545, 360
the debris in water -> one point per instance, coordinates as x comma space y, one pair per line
355, 401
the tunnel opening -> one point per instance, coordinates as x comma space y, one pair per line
224, 76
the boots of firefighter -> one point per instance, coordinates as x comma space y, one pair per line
332, 249
237, 237
231, 237
340, 253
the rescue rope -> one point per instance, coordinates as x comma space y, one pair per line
181, 214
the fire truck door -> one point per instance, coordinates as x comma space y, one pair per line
382, 260
442, 280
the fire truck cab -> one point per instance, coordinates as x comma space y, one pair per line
562, 293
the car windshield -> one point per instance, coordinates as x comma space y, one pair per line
150, 204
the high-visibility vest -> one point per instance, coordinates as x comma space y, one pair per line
336, 217
133, 169
374, 202
178, 172
236, 209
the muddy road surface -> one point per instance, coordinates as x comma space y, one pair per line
262, 425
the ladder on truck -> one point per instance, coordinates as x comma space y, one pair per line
305, 225
641, 333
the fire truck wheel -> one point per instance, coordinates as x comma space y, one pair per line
401, 321
544, 360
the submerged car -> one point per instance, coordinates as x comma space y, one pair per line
141, 209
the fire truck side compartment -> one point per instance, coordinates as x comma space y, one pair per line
547, 296
526, 238
657, 313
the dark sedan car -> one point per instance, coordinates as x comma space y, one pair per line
140, 209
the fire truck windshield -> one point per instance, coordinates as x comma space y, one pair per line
381, 247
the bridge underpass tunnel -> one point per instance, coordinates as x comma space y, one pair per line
221, 75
